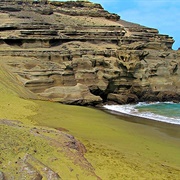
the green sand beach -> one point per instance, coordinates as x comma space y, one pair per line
116, 147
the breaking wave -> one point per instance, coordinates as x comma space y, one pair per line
168, 112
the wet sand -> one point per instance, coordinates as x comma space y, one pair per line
170, 129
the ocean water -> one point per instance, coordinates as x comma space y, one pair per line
168, 112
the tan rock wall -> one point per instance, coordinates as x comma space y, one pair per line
53, 51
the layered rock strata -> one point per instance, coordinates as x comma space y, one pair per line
78, 53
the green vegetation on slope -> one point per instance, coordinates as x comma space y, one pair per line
12, 107
19, 138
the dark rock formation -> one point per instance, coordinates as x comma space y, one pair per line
78, 53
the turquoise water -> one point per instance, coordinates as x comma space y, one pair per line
166, 112
171, 110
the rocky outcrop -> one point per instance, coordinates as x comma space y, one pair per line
35, 153
31, 162
78, 94
78, 53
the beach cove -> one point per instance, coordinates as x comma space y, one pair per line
117, 146
59, 62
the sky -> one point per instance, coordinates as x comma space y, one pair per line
163, 15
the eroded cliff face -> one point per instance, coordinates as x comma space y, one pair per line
78, 53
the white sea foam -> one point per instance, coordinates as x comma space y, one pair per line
132, 110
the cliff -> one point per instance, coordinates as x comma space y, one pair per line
78, 53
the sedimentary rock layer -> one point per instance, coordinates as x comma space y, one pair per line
78, 53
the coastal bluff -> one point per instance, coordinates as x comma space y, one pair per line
76, 52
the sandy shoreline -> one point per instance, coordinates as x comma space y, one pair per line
169, 128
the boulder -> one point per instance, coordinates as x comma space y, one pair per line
79, 95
